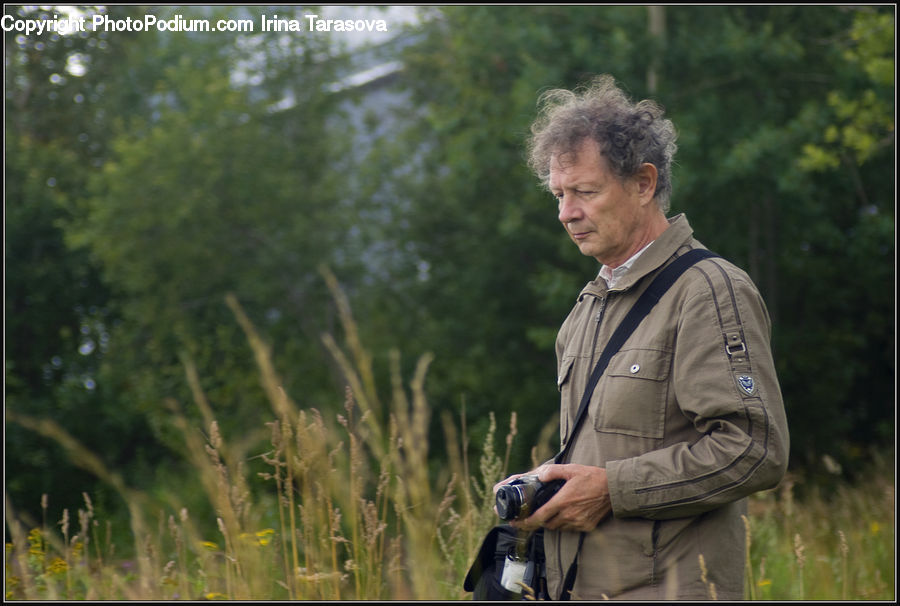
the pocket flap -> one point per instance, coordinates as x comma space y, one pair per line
650, 364
565, 370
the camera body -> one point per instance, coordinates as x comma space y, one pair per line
523, 496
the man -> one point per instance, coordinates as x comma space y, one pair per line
687, 420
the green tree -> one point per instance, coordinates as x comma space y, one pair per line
217, 191
186, 166
58, 308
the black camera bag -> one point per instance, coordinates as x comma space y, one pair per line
483, 578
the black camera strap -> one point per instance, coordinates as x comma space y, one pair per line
648, 299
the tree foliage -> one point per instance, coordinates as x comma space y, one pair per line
175, 169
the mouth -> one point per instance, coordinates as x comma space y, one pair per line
579, 235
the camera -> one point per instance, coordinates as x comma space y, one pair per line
523, 496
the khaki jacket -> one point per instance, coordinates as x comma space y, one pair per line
687, 420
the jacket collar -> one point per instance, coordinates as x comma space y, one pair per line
678, 234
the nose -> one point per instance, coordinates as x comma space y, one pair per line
568, 209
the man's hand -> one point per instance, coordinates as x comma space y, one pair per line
579, 505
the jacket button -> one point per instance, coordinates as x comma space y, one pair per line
635, 368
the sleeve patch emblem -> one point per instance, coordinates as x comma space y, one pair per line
747, 384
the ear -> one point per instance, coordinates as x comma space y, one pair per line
645, 182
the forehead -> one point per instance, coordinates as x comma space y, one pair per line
583, 162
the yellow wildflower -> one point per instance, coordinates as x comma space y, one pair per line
265, 536
36, 556
37, 542
58, 566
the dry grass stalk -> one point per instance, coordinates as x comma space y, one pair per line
845, 551
748, 541
799, 553
710, 587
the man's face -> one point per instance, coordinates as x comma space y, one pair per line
603, 215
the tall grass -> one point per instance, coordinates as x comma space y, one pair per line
356, 513
834, 545
352, 513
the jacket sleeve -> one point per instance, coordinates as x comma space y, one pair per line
724, 382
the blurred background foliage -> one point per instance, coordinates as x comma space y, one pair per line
148, 174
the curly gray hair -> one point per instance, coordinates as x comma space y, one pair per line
628, 134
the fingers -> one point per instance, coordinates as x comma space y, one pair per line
555, 471
563, 519
547, 516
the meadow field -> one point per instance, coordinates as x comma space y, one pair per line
355, 508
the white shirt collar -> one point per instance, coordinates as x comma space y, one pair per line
612, 276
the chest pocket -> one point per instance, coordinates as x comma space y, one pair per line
564, 384
633, 392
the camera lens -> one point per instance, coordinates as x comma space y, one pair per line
509, 502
